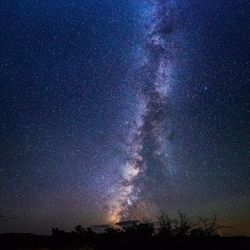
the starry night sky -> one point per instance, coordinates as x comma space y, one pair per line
111, 110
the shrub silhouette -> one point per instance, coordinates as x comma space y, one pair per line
183, 225
112, 231
165, 229
141, 229
80, 230
206, 228
165, 233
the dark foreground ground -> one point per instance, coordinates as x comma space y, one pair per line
106, 241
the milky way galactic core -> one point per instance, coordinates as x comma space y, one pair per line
148, 144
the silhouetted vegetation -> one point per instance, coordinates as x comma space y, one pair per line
165, 233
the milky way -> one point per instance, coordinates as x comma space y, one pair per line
148, 145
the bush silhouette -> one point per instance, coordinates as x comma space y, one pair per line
206, 228
183, 225
166, 228
166, 233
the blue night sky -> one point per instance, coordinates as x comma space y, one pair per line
111, 110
